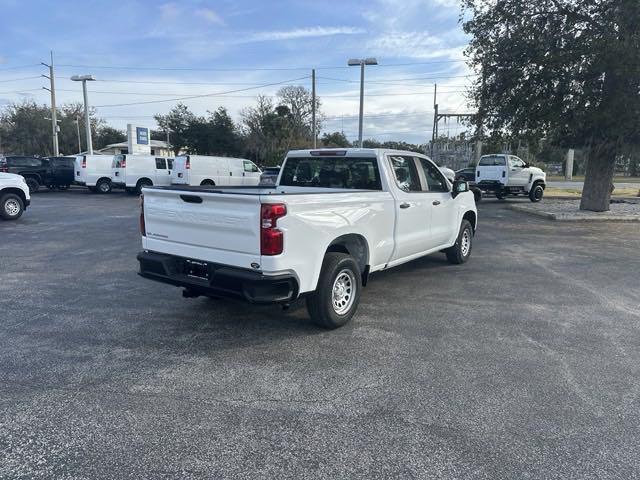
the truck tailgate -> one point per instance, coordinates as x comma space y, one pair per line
491, 174
211, 226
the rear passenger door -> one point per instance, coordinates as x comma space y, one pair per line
236, 172
443, 222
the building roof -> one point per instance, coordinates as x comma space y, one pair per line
153, 143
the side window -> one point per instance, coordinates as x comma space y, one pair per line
161, 164
249, 166
515, 162
170, 163
435, 180
404, 169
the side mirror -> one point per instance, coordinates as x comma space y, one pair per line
459, 186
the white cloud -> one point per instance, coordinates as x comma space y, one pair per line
210, 16
308, 32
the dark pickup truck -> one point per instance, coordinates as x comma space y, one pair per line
52, 172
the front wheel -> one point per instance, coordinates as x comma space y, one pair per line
461, 250
536, 193
142, 184
11, 206
337, 295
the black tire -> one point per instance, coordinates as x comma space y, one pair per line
33, 184
536, 193
477, 194
143, 182
103, 186
320, 304
501, 195
461, 250
11, 206
209, 183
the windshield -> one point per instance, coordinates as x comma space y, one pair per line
337, 172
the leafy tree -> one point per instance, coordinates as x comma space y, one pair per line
335, 139
567, 70
107, 135
177, 122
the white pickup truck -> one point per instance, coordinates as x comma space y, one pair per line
14, 196
509, 175
334, 217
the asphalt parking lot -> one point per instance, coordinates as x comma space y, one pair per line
523, 363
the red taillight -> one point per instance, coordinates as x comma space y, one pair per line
271, 239
84, 163
143, 227
123, 164
187, 164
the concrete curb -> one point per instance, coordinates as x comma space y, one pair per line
567, 217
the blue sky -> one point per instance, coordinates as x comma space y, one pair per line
143, 51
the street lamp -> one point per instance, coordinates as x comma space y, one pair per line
84, 79
362, 62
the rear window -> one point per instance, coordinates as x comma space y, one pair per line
492, 161
339, 172
24, 161
117, 161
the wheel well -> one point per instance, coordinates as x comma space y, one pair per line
144, 179
34, 176
207, 181
471, 217
15, 191
356, 246
541, 182
103, 178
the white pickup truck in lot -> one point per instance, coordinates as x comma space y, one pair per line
509, 175
334, 217
14, 196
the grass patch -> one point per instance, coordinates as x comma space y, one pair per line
576, 178
551, 192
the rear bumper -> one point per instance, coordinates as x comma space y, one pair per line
223, 280
490, 185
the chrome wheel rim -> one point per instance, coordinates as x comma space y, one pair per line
465, 243
104, 187
343, 292
12, 207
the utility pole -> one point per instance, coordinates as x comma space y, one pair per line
361, 62
434, 133
78, 132
568, 169
54, 121
313, 108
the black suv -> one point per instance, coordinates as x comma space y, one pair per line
53, 172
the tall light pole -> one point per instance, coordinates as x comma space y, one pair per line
87, 122
362, 62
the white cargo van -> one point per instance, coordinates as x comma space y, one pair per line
94, 171
204, 170
133, 172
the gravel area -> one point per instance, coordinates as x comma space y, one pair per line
569, 210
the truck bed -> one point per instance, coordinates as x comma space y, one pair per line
251, 190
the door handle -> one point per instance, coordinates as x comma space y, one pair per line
405, 205
436, 202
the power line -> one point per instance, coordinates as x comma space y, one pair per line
18, 79
242, 69
202, 95
19, 67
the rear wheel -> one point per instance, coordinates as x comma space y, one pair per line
337, 295
103, 186
142, 183
461, 250
33, 184
501, 195
11, 206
